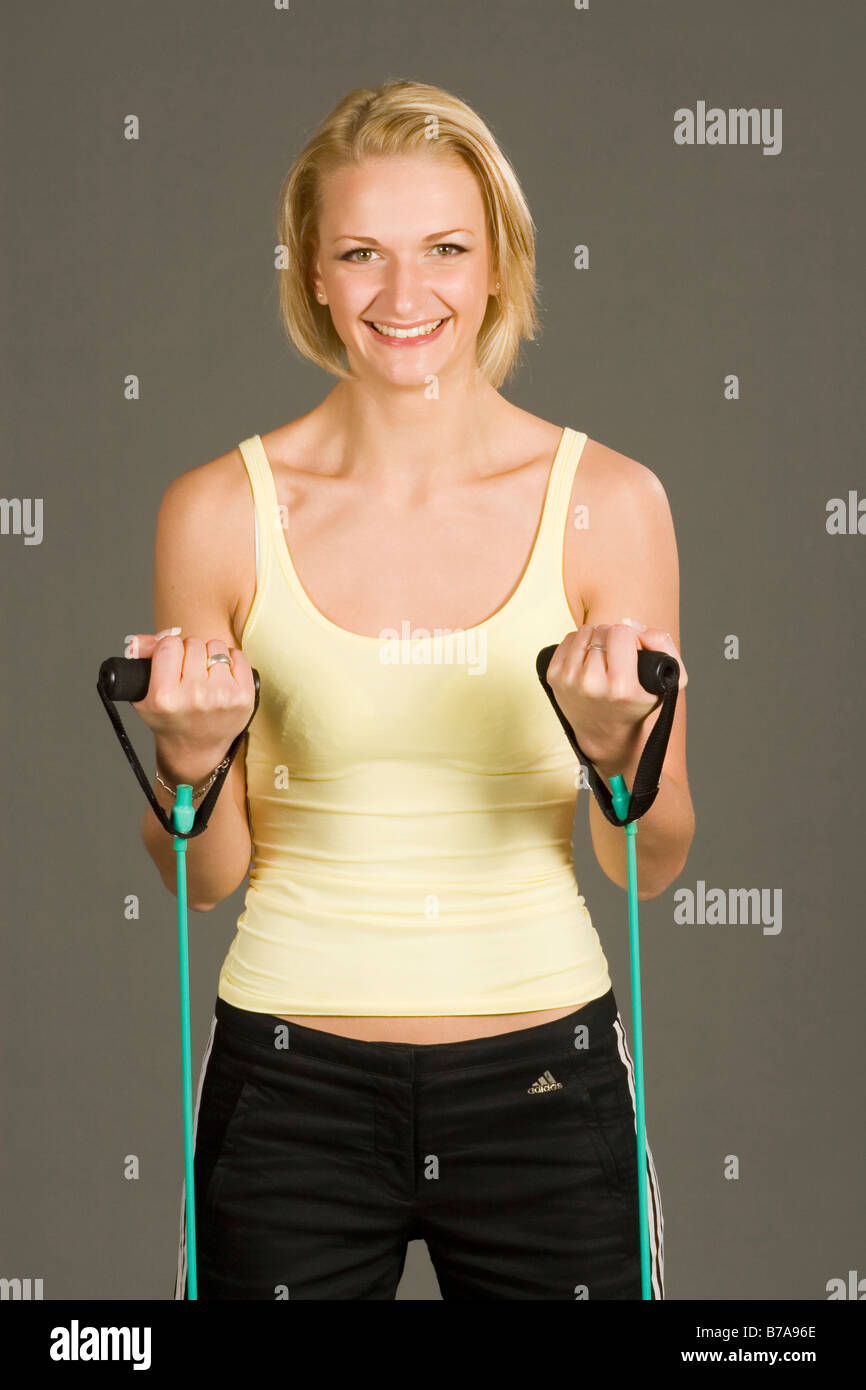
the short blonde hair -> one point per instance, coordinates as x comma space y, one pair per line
403, 117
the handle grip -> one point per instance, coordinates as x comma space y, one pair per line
659, 674
127, 678
656, 671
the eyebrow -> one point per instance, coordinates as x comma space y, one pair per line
434, 236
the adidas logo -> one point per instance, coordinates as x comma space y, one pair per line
545, 1082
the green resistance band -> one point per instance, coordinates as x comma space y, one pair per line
659, 674
128, 678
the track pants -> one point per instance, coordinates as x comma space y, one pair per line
514, 1157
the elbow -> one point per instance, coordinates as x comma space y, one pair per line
193, 904
671, 876
208, 904
647, 894
199, 904
231, 888
650, 885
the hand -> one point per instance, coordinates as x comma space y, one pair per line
194, 711
599, 692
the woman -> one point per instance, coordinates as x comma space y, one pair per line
415, 1034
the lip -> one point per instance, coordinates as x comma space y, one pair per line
408, 342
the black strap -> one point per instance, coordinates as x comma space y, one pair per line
202, 814
658, 673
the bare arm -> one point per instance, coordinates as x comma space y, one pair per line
641, 581
190, 591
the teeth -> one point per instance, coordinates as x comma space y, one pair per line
407, 332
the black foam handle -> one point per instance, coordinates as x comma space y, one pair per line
128, 678
658, 673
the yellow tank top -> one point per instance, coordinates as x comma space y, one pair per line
412, 799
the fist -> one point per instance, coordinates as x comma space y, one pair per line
193, 708
593, 675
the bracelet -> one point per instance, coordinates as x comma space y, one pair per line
201, 791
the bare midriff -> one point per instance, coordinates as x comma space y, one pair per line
427, 1030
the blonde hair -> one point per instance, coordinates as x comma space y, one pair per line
403, 117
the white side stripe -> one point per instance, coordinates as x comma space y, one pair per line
180, 1281
654, 1203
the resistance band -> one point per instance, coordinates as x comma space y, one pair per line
658, 673
128, 678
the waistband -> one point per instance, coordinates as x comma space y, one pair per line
407, 1060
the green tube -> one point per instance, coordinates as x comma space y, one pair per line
183, 818
621, 797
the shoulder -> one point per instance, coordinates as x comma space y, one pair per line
205, 527
210, 484
619, 495
611, 477
619, 521
616, 477
205, 498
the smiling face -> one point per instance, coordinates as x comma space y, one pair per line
404, 263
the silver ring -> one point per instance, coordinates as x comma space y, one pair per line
220, 656
595, 647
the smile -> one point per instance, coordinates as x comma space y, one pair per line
406, 335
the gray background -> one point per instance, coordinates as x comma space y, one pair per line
155, 257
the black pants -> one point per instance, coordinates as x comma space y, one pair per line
513, 1157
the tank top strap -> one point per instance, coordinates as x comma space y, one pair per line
551, 533
265, 501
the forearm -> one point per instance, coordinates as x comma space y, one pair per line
662, 842
218, 859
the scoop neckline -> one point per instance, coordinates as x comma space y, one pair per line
284, 555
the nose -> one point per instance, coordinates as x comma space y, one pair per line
406, 293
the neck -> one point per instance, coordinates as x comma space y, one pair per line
404, 434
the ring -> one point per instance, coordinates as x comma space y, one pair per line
220, 656
595, 647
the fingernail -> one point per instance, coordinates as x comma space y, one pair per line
169, 632
632, 622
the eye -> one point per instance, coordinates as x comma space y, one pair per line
368, 250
